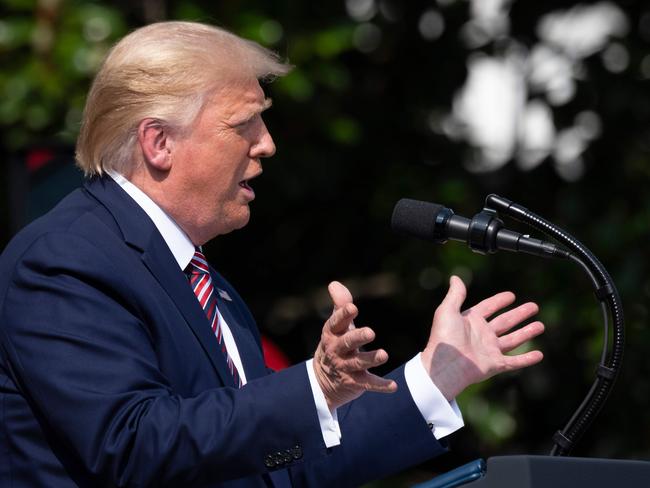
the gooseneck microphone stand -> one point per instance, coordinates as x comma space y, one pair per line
605, 290
485, 234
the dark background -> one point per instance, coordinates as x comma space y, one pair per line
353, 129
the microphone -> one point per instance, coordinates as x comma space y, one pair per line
484, 233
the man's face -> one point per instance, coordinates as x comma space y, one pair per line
213, 165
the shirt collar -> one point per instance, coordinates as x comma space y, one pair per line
178, 242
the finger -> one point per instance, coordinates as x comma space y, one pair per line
372, 382
520, 361
517, 338
509, 319
353, 340
455, 295
362, 361
341, 318
491, 305
339, 294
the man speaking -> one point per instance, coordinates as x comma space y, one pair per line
126, 360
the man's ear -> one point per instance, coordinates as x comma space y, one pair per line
155, 142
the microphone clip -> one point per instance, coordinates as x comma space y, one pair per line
483, 230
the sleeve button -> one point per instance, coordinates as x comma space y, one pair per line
287, 457
296, 452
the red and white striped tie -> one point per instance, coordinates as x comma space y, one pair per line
199, 276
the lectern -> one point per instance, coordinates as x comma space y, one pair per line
545, 472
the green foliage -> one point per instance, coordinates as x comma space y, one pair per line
49, 54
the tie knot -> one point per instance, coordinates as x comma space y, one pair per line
198, 264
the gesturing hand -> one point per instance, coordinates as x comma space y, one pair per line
466, 348
340, 367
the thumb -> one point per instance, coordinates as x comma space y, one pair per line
456, 294
339, 294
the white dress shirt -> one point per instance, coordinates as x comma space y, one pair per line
442, 417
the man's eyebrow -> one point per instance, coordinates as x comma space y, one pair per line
267, 104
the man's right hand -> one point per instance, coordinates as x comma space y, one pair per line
341, 367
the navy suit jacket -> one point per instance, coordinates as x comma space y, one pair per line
110, 374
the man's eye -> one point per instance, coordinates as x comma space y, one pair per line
243, 123
249, 123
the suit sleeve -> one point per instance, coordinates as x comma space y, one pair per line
79, 347
381, 434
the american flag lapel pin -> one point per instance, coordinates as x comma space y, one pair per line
224, 294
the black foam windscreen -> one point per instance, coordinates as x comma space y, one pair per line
415, 218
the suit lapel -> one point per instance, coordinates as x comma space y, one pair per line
157, 259
249, 350
140, 233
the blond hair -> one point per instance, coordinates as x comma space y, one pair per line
163, 71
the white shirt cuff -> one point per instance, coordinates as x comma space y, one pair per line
329, 421
442, 416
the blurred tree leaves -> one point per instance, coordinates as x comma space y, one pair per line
49, 51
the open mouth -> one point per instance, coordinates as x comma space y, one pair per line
244, 184
248, 190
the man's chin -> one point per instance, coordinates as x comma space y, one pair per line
237, 222
243, 223
232, 221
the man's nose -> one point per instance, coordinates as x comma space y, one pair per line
265, 147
